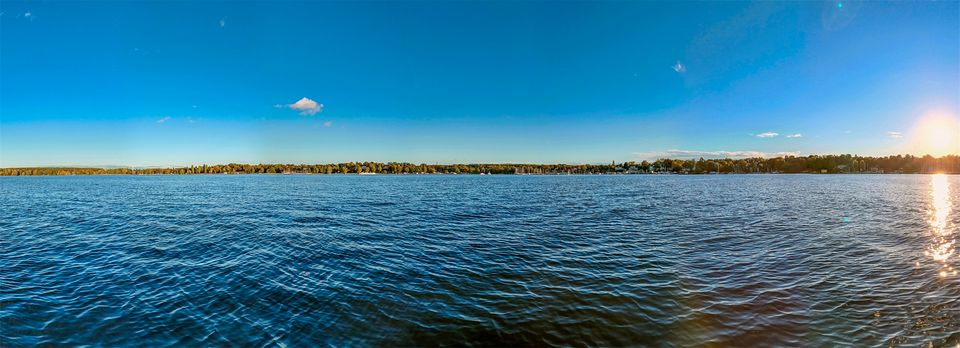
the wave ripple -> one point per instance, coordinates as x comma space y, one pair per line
798, 260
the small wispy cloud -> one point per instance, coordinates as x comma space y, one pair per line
306, 106
679, 67
164, 119
848, 132
895, 135
223, 22
767, 135
687, 154
328, 124
796, 135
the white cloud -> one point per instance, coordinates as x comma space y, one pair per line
847, 132
895, 135
164, 119
679, 67
686, 154
327, 124
223, 22
27, 14
306, 106
767, 135
797, 135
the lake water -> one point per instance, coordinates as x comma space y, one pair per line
645, 260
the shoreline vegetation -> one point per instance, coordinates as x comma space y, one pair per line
820, 164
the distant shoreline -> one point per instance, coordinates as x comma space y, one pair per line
470, 174
828, 164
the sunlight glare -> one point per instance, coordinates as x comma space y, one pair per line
937, 135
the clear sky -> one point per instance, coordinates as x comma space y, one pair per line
158, 84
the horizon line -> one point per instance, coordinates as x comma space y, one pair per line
684, 158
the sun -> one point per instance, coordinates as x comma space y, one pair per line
936, 135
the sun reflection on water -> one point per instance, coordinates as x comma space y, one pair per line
942, 248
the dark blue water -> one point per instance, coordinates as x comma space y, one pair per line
293, 260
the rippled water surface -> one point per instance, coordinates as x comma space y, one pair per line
297, 260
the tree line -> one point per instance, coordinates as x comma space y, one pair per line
906, 164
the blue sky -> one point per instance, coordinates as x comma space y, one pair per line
157, 84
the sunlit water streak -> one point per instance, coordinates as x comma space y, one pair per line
943, 231
665, 261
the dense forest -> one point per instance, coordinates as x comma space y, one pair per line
788, 164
